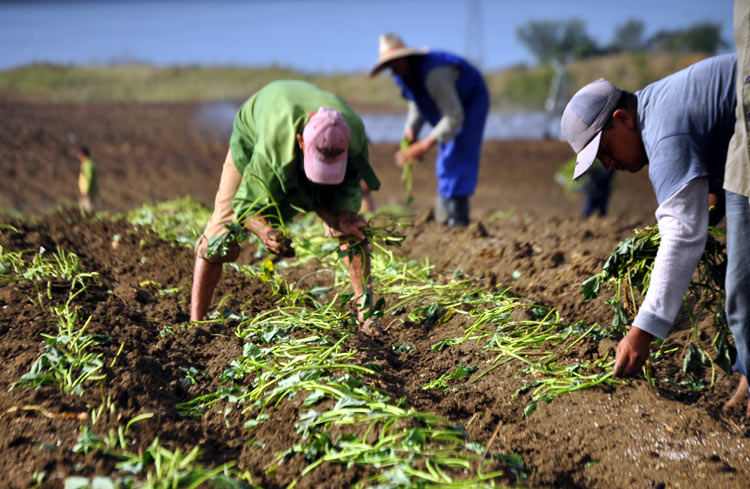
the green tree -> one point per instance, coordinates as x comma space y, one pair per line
701, 37
557, 40
629, 36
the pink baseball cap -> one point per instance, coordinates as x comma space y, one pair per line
326, 137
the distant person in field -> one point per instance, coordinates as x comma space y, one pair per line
596, 190
449, 93
681, 127
88, 184
293, 147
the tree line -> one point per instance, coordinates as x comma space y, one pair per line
560, 41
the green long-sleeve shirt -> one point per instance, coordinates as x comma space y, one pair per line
266, 153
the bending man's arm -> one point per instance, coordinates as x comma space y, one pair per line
414, 122
683, 225
441, 86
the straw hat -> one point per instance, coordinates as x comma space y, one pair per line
392, 47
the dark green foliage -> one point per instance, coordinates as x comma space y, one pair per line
627, 273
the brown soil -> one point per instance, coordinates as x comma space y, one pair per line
632, 436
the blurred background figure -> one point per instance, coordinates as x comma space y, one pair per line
449, 93
88, 184
595, 185
597, 188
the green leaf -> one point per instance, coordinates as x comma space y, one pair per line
270, 333
313, 399
415, 438
530, 408
319, 292
620, 319
462, 371
251, 350
591, 463
397, 477
539, 311
723, 357
693, 361
401, 348
398, 310
306, 420
289, 381
252, 423
591, 287
446, 342
348, 402
526, 388
514, 463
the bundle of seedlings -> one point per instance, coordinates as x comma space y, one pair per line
627, 273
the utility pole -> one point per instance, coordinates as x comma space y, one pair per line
474, 34
556, 99
558, 90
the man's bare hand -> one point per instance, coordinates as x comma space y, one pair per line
411, 153
275, 241
368, 326
632, 352
351, 224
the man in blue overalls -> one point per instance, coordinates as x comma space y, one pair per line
450, 94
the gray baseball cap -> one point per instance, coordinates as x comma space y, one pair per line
584, 118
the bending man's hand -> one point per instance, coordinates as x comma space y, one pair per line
351, 224
412, 153
275, 241
632, 352
273, 238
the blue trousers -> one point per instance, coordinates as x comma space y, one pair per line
597, 191
457, 166
738, 276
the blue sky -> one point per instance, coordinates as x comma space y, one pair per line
310, 35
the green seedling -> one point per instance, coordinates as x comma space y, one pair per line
302, 351
442, 382
66, 361
157, 467
181, 221
162, 291
406, 174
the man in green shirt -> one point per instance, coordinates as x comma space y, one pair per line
293, 147
88, 185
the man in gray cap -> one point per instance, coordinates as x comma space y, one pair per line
680, 127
